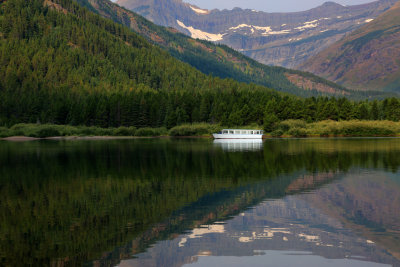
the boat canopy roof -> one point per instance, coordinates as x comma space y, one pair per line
241, 130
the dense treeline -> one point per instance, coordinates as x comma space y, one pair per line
168, 109
70, 66
77, 68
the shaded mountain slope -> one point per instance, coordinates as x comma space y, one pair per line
219, 60
281, 39
368, 59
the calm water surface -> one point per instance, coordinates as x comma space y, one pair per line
166, 202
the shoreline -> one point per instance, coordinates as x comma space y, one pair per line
94, 138
69, 138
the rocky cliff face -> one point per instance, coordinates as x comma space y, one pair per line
367, 59
284, 39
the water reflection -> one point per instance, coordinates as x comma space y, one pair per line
173, 202
233, 145
309, 229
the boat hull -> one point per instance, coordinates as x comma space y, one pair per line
237, 136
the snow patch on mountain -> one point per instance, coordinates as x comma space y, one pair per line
308, 25
198, 34
200, 11
267, 29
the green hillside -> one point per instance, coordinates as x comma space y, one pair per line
63, 64
218, 60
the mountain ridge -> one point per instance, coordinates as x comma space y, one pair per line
367, 58
215, 59
270, 38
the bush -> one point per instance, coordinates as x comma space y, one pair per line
354, 128
364, 130
277, 133
87, 131
21, 126
4, 132
194, 129
125, 131
297, 132
285, 126
47, 131
151, 131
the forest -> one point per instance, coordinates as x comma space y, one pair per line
63, 64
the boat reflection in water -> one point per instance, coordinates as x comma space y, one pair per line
233, 145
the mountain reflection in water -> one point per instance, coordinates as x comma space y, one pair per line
166, 202
308, 229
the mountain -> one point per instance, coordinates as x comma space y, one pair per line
280, 39
63, 64
219, 60
367, 59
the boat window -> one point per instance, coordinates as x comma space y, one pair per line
243, 132
251, 132
257, 132
224, 132
237, 132
231, 132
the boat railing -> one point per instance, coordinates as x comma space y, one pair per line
240, 131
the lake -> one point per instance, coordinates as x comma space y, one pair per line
196, 202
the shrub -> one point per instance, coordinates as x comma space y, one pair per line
5, 132
87, 131
47, 131
277, 133
285, 126
365, 130
354, 128
151, 131
125, 131
194, 129
297, 132
20, 126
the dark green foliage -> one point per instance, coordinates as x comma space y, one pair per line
151, 132
194, 129
125, 131
47, 132
277, 133
297, 132
80, 69
270, 122
357, 130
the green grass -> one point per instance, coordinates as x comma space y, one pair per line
197, 129
288, 128
51, 130
299, 128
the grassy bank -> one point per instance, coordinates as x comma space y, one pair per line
51, 130
299, 128
288, 128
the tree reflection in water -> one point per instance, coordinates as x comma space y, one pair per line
72, 202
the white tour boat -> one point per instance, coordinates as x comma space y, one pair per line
239, 134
